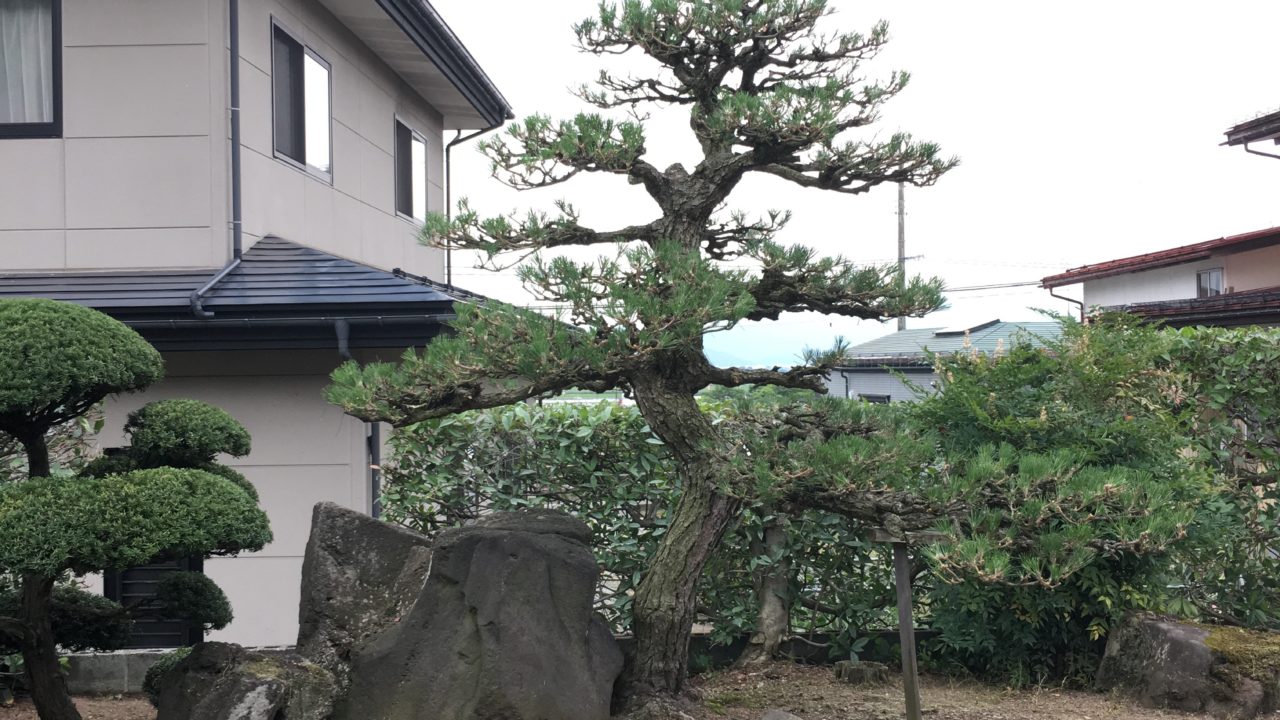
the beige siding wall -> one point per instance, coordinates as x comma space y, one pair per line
1252, 270
354, 215
141, 177
132, 181
304, 451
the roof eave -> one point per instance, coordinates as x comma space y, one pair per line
424, 26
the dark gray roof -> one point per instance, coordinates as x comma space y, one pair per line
911, 347
275, 276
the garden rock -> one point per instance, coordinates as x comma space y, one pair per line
359, 576
218, 681
504, 628
1163, 663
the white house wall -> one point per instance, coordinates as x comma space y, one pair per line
1253, 269
1177, 282
141, 176
852, 383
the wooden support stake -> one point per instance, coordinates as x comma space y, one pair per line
906, 629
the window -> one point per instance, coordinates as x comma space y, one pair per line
1209, 283
875, 399
411, 173
300, 88
30, 68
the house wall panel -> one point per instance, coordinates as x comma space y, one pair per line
852, 383
136, 90
119, 249
33, 249
136, 22
31, 190
138, 183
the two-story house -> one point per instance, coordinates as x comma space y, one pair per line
243, 182
1232, 280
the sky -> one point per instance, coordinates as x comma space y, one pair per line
1086, 131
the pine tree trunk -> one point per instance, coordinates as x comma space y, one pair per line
664, 606
773, 593
40, 653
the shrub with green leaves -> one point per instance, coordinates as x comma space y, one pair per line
48, 526
193, 597
184, 433
82, 620
1078, 476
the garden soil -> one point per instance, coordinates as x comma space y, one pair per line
811, 693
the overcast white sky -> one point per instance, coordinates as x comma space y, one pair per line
1087, 131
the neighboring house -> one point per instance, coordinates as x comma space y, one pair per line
254, 266
1232, 280
886, 369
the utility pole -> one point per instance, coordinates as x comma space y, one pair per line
902, 247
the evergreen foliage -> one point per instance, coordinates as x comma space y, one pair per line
193, 597
82, 620
183, 433
767, 92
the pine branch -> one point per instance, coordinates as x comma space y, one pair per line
793, 280
801, 377
535, 231
857, 167
14, 630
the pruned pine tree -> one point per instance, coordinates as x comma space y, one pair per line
768, 91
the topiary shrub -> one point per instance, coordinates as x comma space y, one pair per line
155, 674
57, 361
195, 598
184, 433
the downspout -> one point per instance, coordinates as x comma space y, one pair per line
1070, 300
1259, 152
237, 237
372, 430
448, 193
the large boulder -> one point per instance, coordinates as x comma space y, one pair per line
226, 682
359, 576
1163, 663
503, 629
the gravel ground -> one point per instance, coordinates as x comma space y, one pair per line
128, 708
812, 693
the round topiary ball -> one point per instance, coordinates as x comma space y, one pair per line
184, 433
57, 360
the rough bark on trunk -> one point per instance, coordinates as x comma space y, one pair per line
773, 593
40, 653
664, 606
37, 454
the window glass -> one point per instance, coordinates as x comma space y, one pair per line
411, 173
316, 107
1209, 283
27, 61
300, 85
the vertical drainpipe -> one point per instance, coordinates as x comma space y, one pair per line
237, 217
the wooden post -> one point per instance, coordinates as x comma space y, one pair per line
906, 629
906, 625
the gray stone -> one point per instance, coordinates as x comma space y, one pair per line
862, 672
218, 681
1164, 663
779, 715
98, 674
504, 628
359, 576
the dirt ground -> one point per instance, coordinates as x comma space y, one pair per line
813, 693
91, 709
